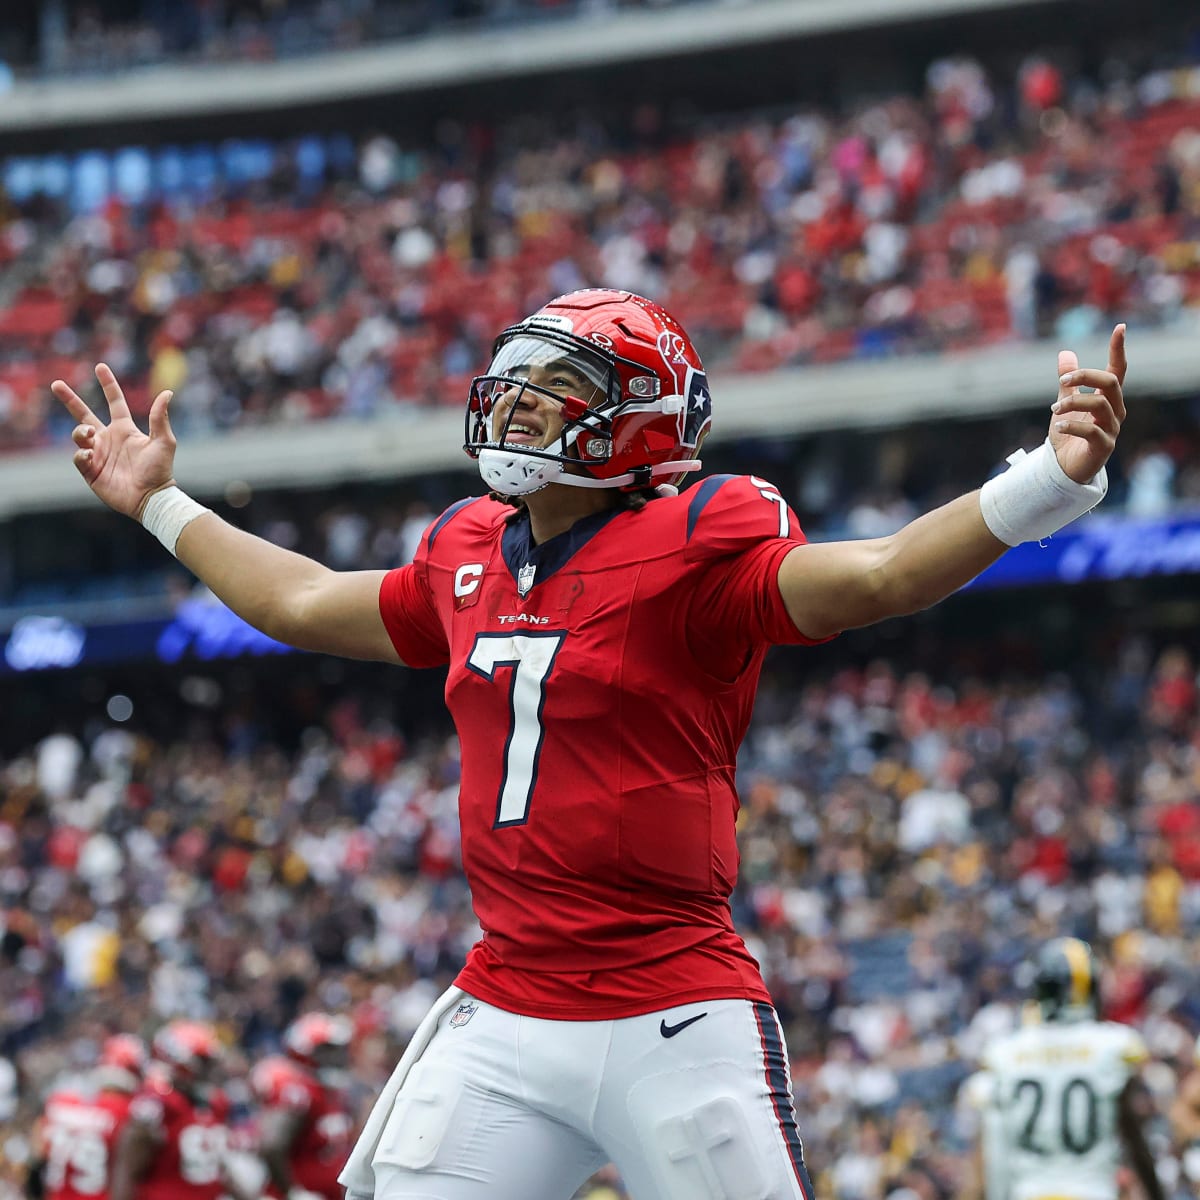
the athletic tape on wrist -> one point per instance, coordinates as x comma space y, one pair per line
168, 512
1035, 497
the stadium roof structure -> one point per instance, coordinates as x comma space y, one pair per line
164, 91
422, 441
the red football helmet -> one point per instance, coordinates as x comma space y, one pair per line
188, 1048
126, 1051
649, 410
122, 1064
304, 1037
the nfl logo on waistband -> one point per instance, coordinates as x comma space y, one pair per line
463, 1013
525, 578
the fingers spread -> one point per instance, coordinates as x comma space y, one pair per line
71, 401
117, 408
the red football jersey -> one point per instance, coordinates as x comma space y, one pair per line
326, 1135
194, 1137
601, 684
79, 1134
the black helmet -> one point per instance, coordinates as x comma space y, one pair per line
1065, 981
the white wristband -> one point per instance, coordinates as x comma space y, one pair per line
1035, 497
168, 512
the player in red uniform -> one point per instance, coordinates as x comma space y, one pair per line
173, 1145
77, 1133
604, 637
306, 1127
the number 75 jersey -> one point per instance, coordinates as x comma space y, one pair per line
601, 684
1055, 1090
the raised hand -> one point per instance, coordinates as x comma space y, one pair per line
120, 463
1085, 425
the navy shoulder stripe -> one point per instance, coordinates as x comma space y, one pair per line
445, 518
701, 495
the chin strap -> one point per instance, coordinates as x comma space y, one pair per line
512, 473
684, 465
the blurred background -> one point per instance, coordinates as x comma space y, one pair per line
879, 220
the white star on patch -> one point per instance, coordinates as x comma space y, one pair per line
701, 399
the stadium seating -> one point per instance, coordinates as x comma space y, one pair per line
777, 240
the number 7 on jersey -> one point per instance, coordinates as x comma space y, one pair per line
530, 658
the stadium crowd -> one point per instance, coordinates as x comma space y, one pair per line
911, 826
907, 836
371, 282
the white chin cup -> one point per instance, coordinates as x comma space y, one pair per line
512, 473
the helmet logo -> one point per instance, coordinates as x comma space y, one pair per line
673, 349
699, 407
601, 339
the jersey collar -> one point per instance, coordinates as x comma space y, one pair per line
520, 550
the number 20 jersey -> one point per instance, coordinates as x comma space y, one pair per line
600, 684
1055, 1089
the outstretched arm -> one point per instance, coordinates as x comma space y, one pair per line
289, 597
831, 586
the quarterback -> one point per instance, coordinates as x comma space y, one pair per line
603, 635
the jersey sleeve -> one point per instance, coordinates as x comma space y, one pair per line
409, 611
979, 1090
739, 531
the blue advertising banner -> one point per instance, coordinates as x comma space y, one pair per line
1099, 548
201, 629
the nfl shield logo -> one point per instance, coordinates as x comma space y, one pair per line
525, 578
463, 1013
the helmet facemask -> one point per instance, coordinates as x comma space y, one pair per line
583, 387
590, 391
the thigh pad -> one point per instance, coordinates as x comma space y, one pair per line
708, 1153
421, 1117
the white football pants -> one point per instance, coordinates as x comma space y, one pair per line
691, 1103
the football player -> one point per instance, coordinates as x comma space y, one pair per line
1063, 1099
173, 1145
604, 636
76, 1136
306, 1130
